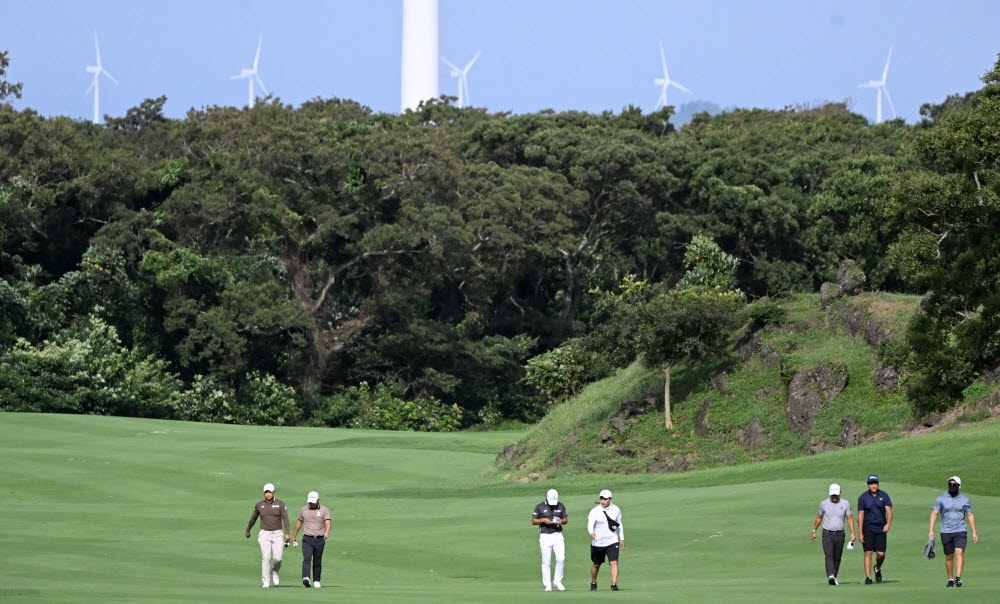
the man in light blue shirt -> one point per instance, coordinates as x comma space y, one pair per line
954, 508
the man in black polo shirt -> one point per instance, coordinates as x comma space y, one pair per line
875, 517
550, 516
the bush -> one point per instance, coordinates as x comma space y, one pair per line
765, 312
263, 400
86, 370
562, 372
973, 416
208, 401
975, 392
380, 409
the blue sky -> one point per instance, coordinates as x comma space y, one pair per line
562, 54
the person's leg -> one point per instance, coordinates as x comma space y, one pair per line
959, 561
949, 565
546, 546
831, 570
307, 554
838, 551
593, 572
614, 572
879, 560
265, 554
318, 547
868, 565
277, 550
560, 550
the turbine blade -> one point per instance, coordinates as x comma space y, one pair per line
889, 98
469, 66
663, 59
450, 64
91, 87
681, 87
256, 59
885, 72
237, 77
97, 48
111, 77
261, 82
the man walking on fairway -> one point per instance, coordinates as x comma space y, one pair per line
874, 518
550, 516
954, 508
604, 523
272, 513
832, 512
316, 519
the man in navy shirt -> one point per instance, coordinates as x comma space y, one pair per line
875, 517
954, 508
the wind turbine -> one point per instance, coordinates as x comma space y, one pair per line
463, 81
419, 77
251, 74
665, 82
95, 85
879, 86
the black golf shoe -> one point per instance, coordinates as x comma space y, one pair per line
868, 580
614, 587
593, 587
958, 581
951, 583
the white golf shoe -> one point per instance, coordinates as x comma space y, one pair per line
265, 583
316, 584
274, 578
548, 588
559, 586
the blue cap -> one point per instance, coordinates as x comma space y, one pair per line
872, 478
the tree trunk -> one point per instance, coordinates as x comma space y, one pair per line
666, 396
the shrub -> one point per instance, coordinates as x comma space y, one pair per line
561, 372
208, 401
86, 370
263, 400
975, 392
973, 416
765, 312
381, 409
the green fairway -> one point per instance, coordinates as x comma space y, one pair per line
127, 510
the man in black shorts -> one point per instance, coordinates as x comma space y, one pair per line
875, 518
604, 523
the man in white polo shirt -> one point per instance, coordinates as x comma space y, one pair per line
604, 523
832, 512
550, 516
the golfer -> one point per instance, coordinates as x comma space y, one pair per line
272, 513
954, 508
604, 523
874, 518
550, 516
316, 520
832, 512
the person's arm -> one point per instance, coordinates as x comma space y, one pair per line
621, 531
592, 526
286, 524
253, 520
536, 520
819, 518
850, 522
298, 525
888, 518
934, 515
326, 535
861, 524
565, 517
972, 523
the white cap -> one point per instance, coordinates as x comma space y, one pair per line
957, 480
605, 494
835, 489
268, 487
552, 496
313, 497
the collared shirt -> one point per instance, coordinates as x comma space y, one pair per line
953, 511
314, 521
553, 513
597, 523
272, 514
874, 508
834, 514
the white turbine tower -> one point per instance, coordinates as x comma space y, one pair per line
665, 82
879, 86
95, 85
463, 79
419, 81
251, 74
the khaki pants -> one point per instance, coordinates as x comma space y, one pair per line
272, 544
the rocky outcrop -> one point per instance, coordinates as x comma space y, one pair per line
701, 418
852, 434
664, 463
765, 392
886, 379
752, 437
850, 281
810, 390
510, 452
749, 343
815, 445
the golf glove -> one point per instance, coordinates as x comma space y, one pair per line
850, 544
295, 543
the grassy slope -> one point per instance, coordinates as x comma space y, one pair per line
113, 509
804, 341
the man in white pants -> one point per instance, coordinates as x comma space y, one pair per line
550, 516
604, 523
272, 513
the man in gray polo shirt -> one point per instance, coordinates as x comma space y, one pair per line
832, 512
954, 508
316, 520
